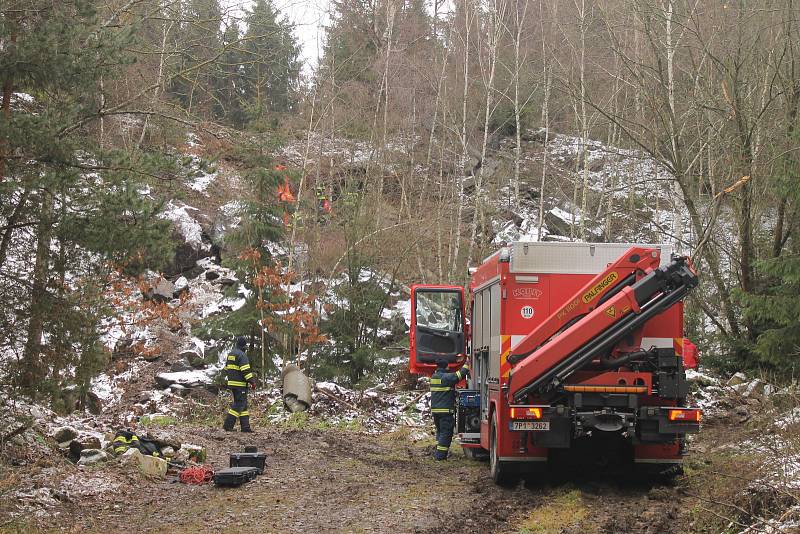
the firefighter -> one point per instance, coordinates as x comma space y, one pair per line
238, 376
443, 404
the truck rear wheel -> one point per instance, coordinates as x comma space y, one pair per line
501, 471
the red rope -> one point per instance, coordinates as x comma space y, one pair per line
197, 475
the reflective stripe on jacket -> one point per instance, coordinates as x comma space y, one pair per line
443, 392
237, 369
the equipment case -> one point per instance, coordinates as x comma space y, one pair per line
235, 476
249, 459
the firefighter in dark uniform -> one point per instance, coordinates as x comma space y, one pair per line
238, 376
443, 404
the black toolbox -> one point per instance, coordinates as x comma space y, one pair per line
249, 459
235, 476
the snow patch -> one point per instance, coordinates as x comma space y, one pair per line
185, 224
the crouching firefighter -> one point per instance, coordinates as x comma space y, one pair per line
443, 404
238, 376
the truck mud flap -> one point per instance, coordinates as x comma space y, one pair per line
559, 435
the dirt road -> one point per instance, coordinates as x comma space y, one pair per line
338, 481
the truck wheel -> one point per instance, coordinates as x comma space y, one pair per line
501, 471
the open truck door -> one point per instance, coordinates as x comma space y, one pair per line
438, 327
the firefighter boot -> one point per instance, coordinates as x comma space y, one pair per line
230, 422
244, 420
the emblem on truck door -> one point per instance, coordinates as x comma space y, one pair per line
526, 312
526, 293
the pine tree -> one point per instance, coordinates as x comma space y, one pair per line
774, 311
271, 66
230, 90
199, 42
68, 208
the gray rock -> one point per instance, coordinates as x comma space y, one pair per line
92, 456
130, 457
153, 467
181, 287
194, 358
65, 433
178, 389
81, 443
37, 413
180, 365
164, 439
751, 389
122, 349
150, 356
168, 451
738, 378
161, 291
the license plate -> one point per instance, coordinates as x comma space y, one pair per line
530, 425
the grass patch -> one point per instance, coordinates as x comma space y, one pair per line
158, 420
19, 526
296, 421
564, 512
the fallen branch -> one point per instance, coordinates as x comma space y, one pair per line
15, 432
416, 399
339, 399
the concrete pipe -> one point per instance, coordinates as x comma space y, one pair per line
296, 389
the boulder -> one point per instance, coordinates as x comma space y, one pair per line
81, 443
161, 291
93, 403
180, 365
752, 389
153, 467
131, 457
178, 389
194, 358
151, 355
181, 287
164, 439
226, 281
168, 451
189, 379
535, 136
92, 456
738, 378
65, 433
149, 465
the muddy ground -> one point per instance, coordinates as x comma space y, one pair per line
345, 481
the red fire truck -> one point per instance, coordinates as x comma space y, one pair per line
573, 347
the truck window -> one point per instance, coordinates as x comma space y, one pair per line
440, 310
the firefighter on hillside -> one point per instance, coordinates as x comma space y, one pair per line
443, 404
323, 201
238, 375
